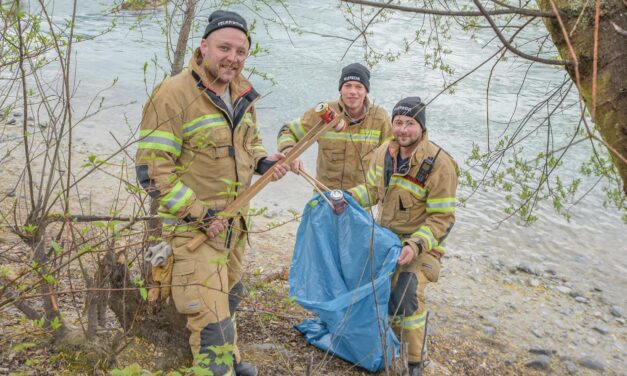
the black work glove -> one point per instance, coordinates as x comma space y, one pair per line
404, 299
206, 219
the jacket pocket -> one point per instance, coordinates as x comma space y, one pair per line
185, 291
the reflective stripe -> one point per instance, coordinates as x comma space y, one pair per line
362, 195
425, 233
414, 322
407, 185
287, 138
374, 174
364, 135
203, 122
441, 205
160, 140
177, 198
441, 247
296, 126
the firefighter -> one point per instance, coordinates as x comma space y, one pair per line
343, 156
199, 147
414, 182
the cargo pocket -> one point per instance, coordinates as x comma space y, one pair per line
163, 276
185, 290
429, 266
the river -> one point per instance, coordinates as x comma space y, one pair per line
306, 68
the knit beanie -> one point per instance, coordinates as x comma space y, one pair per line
355, 72
412, 107
224, 18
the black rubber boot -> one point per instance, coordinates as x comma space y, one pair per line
245, 369
415, 369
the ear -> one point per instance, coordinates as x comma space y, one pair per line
204, 47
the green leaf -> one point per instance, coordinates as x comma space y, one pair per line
23, 346
143, 292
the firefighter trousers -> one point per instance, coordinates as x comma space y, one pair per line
407, 307
207, 287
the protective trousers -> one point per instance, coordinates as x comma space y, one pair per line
407, 307
207, 287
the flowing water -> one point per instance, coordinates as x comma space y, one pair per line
306, 68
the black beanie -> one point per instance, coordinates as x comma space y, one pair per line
224, 18
412, 107
355, 72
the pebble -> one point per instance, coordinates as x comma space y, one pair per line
489, 331
542, 362
592, 363
11, 122
581, 299
17, 114
563, 289
591, 341
508, 281
493, 320
270, 214
571, 367
537, 332
617, 311
526, 268
541, 351
601, 329
534, 282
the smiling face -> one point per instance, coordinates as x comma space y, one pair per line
353, 94
224, 53
406, 130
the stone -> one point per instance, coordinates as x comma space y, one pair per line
489, 331
571, 367
592, 341
617, 311
541, 351
581, 299
541, 362
563, 289
592, 363
508, 281
601, 329
11, 122
537, 332
17, 114
526, 268
533, 282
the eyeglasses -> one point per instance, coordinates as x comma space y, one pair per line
405, 124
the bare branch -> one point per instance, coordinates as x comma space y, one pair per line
439, 12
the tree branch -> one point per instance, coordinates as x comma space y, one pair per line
524, 55
441, 12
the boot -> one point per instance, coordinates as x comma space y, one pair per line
415, 369
245, 369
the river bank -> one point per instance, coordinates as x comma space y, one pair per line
492, 314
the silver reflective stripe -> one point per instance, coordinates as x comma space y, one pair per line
177, 197
203, 123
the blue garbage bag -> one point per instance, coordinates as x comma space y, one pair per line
337, 276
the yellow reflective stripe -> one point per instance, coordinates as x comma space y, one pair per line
441, 205
362, 195
441, 247
160, 140
407, 185
296, 126
287, 138
415, 321
425, 233
354, 137
177, 197
203, 122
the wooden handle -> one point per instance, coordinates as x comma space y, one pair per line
244, 198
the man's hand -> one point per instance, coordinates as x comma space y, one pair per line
407, 254
296, 166
216, 226
279, 169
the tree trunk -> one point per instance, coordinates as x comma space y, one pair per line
611, 86
181, 43
160, 325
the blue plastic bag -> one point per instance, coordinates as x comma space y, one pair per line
337, 276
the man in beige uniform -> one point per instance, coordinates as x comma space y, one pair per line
343, 156
414, 182
199, 147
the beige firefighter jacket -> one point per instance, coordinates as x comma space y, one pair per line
343, 157
420, 213
192, 154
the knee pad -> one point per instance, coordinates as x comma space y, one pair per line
235, 297
213, 336
404, 299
